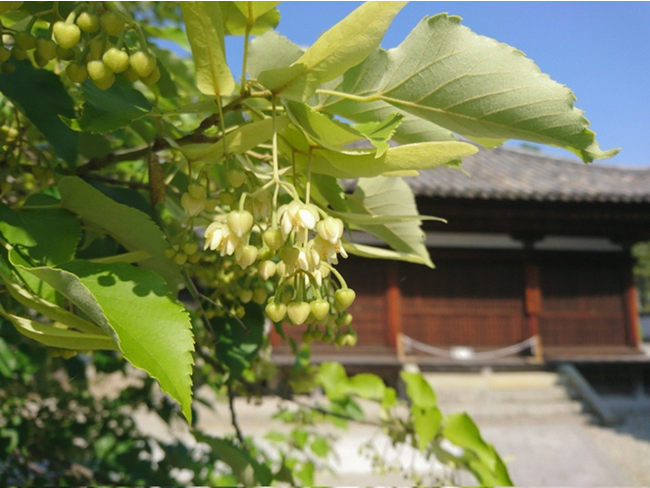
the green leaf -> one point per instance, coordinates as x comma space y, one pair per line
475, 86
319, 129
371, 252
45, 307
239, 342
426, 422
128, 226
461, 430
47, 236
306, 473
419, 390
334, 380
238, 141
55, 335
133, 305
260, 16
390, 196
43, 98
364, 163
248, 471
343, 46
369, 386
271, 51
8, 360
320, 447
379, 133
204, 26
109, 110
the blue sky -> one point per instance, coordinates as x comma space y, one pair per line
601, 50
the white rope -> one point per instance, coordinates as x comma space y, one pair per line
466, 353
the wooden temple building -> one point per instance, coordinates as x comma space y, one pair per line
536, 253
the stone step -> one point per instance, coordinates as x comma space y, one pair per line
518, 395
514, 409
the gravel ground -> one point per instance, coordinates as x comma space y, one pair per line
627, 445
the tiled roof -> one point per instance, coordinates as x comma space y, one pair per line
516, 174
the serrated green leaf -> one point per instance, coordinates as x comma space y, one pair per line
260, 16
418, 390
238, 141
390, 196
271, 51
108, 110
340, 48
43, 98
475, 86
357, 163
204, 26
128, 226
239, 342
426, 422
133, 305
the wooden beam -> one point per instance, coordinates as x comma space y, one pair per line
393, 305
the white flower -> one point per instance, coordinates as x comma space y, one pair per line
214, 235
328, 251
297, 216
330, 229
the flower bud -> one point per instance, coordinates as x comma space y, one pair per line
343, 298
298, 312
245, 296
276, 311
320, 308
266, 269
273, 238
247, 256
330, 229
240, 222
192, 206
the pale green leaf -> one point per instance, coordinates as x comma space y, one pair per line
354, 163
418, 390
369, 386
426, 422
472, 85
238, 141
133, 305
368, 219
55, 335
461, 430
109, 110
390, 196
371, 252
320, 129
379, 133
334, 380
343, 46
260, 16
204, 26
128, 226
46, 308
271, 51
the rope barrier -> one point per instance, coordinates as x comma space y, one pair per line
467, 353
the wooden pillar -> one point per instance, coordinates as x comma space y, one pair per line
631, 309
393, 306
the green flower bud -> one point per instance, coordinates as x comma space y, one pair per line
276, 311
298, 312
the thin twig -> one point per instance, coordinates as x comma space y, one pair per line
233, 416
